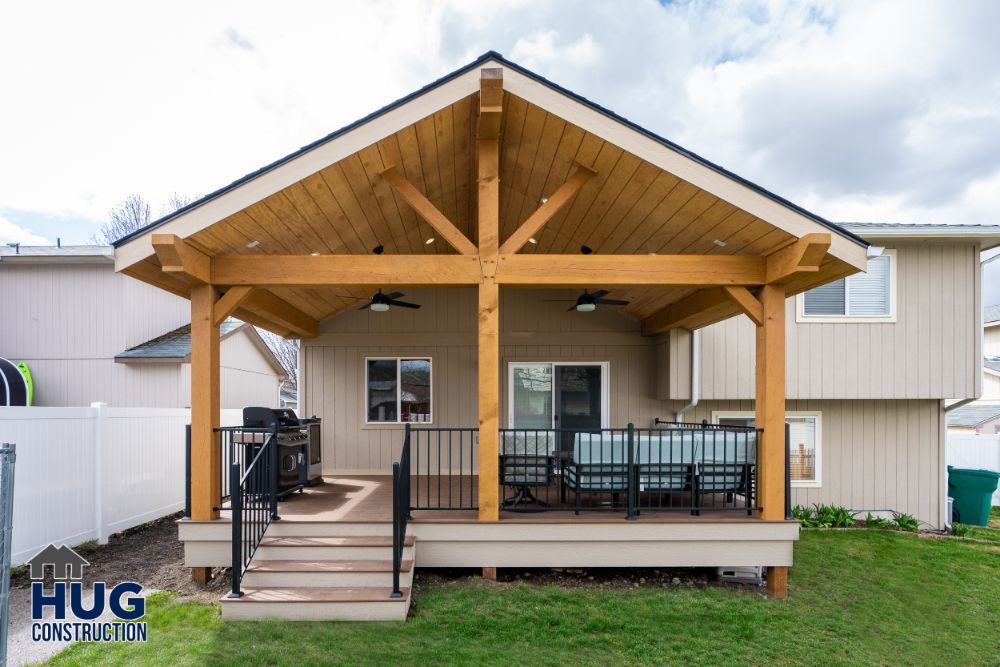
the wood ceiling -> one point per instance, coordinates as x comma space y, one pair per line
628, 207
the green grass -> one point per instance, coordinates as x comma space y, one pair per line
857, 597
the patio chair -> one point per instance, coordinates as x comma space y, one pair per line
598, 466
665, 462
727, 466
526, 461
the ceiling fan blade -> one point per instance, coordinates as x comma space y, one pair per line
403, 304
563, 300
571, 309
394, 295
364, 306
612, 302
599, 293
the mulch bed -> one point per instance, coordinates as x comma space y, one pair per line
150, 555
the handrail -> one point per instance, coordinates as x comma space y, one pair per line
400, 510
253, 496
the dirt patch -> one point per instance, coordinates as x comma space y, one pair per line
598, 577
151, 555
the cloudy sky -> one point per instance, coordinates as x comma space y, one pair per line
885, 111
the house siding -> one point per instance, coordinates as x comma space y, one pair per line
877, 454
931, 351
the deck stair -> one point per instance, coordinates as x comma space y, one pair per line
324, 571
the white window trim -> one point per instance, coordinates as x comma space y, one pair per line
605, 386
800, 303
399, 404
818, 415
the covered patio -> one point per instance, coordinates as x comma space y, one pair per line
491, 179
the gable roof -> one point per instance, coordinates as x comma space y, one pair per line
486, 58
988, 235
68, 254
973, 414
991, 314
175, 346
992, 364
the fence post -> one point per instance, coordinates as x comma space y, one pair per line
236, 503
7, 459
788, 472
273, 477
631, 491
187, 472
100, 435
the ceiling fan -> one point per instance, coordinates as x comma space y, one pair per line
380, 303
587, 302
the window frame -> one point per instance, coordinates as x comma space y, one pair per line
817, 481
800, 302
605, 386
399, 389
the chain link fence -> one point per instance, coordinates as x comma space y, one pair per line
7, 457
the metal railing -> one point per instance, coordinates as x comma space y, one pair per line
253, 493
680, 467
228, 455
445, 468
400, 510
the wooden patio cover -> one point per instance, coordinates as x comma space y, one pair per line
513, 178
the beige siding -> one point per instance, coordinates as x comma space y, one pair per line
247, 378
69, 320
991, 387
931, 351
876, 455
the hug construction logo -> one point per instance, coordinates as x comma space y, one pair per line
78, 614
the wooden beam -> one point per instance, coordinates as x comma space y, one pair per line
488, 221
747, 302
547, 210
229, 302
490, 102
428, 211
206, 469
597, 271
281, 312
346, 270
803, 256
770, 402
688, 312
180, 258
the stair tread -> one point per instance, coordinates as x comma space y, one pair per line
302, 594
326, 566
332, 541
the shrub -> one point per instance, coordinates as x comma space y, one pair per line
961, 529
872, 521
823, 516
906, 522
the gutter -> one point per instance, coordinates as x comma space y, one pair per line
958, 404
695, 375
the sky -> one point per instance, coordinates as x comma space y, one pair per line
858, 111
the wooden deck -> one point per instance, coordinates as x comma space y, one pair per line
368, 498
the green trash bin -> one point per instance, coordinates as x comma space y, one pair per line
972, 491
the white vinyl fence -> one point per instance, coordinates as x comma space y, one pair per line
970, 451
85, 473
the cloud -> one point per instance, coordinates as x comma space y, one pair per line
889, 110
11, 233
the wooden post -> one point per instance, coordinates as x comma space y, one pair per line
490, 573
770, 416
201, 575
491, 95
206, 473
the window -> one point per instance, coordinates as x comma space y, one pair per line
398, 389
860, 297
804, 431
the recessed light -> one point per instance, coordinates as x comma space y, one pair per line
315, 254
533, 241
253, 244
652, 254
429, 241
721, 244
545, 200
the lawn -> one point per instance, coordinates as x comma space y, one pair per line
857, 597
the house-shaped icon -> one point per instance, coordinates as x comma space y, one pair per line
66, 563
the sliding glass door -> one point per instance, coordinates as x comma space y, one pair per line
558, 395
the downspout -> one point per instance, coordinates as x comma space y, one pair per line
695, 375
958, 404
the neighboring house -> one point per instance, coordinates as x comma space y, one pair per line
71, 317
979, 418
991, 353
251, 374
509, 210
